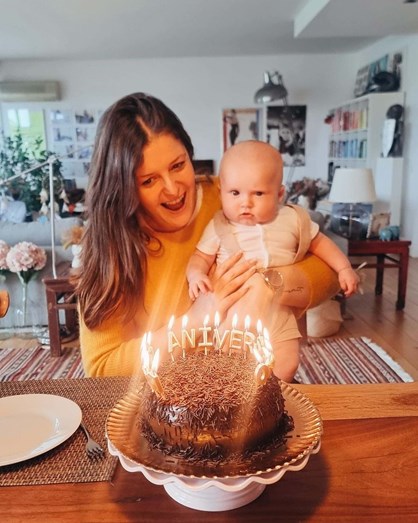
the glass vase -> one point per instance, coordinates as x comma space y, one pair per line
26, 324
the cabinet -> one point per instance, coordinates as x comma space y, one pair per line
356, 130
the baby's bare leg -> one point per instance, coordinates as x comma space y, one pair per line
262, 303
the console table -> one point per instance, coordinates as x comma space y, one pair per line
384, 252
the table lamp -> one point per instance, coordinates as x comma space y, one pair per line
352, 188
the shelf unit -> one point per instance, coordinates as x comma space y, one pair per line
356, 130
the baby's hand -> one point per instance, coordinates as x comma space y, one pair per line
349, 281
200, 284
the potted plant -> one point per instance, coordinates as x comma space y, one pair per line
17, 156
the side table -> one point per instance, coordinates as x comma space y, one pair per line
384, 251
60, 296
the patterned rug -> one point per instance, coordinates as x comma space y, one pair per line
323, 360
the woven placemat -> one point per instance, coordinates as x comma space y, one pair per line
68, 463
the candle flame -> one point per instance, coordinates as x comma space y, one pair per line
144, 358
206, 320
247, 322
171, 323
234, 321
259, 327
184, 321
217, 319
155, 362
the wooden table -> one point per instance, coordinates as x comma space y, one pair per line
384, 251
366, 470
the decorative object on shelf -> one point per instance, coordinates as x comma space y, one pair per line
392, 136
389, 233
307, 192
72, 238
351, 189
25, 259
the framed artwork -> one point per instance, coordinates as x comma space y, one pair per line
390, 63
286, 126
377, 222
239, 125
72, 133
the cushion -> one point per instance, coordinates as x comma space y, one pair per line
36, 232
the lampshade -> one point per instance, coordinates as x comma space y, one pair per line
353, 186
273, 89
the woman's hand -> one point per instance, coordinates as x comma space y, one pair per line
228, 283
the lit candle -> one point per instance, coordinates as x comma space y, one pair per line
218, 340
236, 336
205, 329
247, 341
187, 337
173, 342
260, 337
262, 371
150, 370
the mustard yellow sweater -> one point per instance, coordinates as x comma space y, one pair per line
113, 349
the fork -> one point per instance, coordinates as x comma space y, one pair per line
93, 449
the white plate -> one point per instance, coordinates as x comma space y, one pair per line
31, 424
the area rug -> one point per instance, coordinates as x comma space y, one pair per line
347, 360
323, 360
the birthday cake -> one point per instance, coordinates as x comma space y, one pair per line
213, 407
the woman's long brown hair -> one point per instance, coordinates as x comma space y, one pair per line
114, 245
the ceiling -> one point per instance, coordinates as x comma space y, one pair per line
118, 29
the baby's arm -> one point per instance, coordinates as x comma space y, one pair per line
197, 273
326, 249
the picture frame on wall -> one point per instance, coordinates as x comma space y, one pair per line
72, 133
240, 124
286, 130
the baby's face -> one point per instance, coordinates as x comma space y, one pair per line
250, 193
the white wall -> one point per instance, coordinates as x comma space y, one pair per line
197, 89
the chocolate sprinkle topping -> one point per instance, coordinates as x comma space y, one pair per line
213, 408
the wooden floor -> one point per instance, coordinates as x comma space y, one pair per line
376, 317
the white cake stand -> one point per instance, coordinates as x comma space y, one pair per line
222, 487
211, 494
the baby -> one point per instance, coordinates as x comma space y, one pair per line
254, 220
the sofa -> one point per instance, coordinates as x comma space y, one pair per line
40, 234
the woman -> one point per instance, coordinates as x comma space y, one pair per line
146, 212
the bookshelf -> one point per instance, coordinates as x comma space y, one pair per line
356, 130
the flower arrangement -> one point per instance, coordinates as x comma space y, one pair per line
4, 268
24, 259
